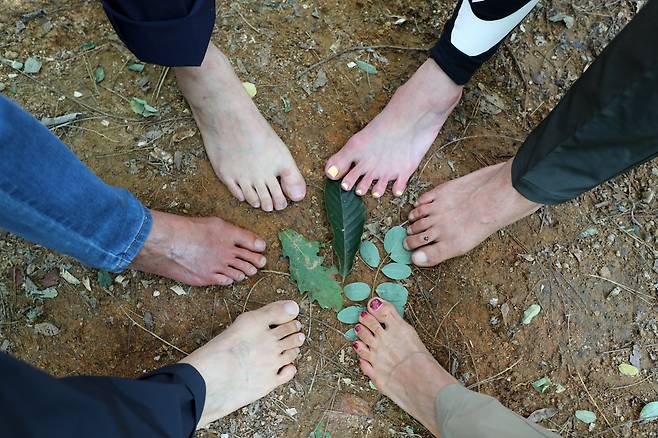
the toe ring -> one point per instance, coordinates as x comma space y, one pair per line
426, 238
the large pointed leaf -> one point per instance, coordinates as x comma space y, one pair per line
347, 215
307, 271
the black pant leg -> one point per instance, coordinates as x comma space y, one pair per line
174, 33
605, 124
165, 403
473, 33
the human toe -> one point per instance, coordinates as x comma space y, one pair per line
431, 255
362, 350
256, 259
425, 198
286, 374
400, 185
419, 212
278, 198
293, 184
235, 190
338, 165
364, 334
245, 267
286, 329
292, 341
250, 194
382, 310
279, 312
351, 178
264, 197
371, 323
247, 240
233, 273
380, 188
289, 356
364, 185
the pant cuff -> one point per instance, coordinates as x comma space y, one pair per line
176, 42
125, 258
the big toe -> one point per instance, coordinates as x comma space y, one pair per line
338, 165
383, 311
431, 255
293, 184
279, 312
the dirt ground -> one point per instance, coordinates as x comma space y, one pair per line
583, 333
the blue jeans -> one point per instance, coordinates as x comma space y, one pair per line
49, 197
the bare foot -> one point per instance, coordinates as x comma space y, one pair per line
246, 153
395, 359
249, 359
199, 251
392, 145
456, 216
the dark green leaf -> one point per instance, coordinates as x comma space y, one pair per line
99, 74
104, 279
350, 335
357, 291
350, 315
347, 215
307, 272
370, 253
393, 292
396, 271
136, 66
366, 67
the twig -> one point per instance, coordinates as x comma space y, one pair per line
356, 49
237, 9
163, 76
626, 288
95, 132
582, 382
230, 320
153, 334
633, 384
444, 318
244, 307
268, 271
495, 376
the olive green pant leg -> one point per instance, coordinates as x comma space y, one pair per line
461, 413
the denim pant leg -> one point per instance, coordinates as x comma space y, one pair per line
49, 197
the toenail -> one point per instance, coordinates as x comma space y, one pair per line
259, 245
263, 261
301, 337
404, 244
290, 307
364, 314
398, 193
375, 304
345, 186
420, 257
355, 346
359, 192
298, 325
332, 171
376, 195
357, 328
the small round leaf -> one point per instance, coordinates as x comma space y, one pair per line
393, 292
370, 253
628, 370
530, 313
350, 315
357, 291
586, 417
396, 271
394, 238
401, 255
649, 412
350, 335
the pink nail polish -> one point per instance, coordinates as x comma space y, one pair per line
375, 304
355, 346
357, 328
364, 314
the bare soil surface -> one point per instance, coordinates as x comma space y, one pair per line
467, 310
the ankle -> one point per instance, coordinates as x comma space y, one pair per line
438, 93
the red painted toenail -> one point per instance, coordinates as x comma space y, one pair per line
355, 346
357, 328
375, 304
364, 314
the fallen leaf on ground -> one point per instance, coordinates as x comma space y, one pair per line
178, 290
542, 414
250, 89
530, 313
307, 272
46, 329
628, 370
542, 384
66, 275
586, 417
649, 412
